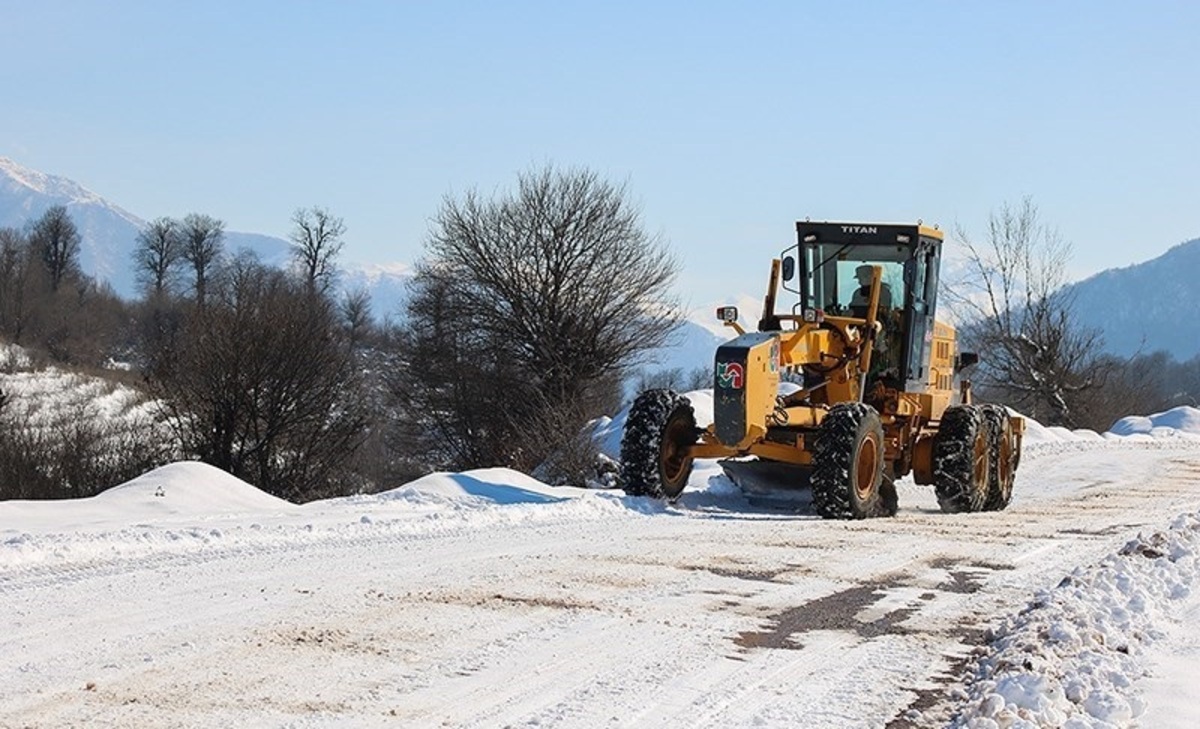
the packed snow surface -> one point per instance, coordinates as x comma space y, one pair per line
187, 597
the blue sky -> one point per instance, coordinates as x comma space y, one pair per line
727, 121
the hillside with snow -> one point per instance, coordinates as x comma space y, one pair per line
1145, 307
487, 598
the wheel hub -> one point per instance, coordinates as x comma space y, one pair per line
673, 456
866, 466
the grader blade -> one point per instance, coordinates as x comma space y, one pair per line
766, 477
769, 480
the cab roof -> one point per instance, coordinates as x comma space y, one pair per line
845, 232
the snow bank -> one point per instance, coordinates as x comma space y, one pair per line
1037, 434
1072, 657
192, 509
1176, 422
1180, 422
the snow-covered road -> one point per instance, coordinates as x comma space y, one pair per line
457, 602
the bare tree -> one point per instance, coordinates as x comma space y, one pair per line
355, 310
21, 279
82, 324
316, 242
158, 253
203, 239
57, 239
79, 322
533, 301
1034, 355
453, 383
264, 385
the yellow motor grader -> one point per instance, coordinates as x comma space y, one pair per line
852, 386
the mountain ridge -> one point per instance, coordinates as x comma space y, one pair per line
56, 186
1147, 306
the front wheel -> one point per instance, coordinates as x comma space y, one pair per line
848, 458
656, 455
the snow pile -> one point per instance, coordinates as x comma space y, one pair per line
1038, 434
185, 488
607, 432
481, 487
1071, 658
172, 505
1182, 421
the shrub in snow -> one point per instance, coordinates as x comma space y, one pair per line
66, 436
14, 359
579, 462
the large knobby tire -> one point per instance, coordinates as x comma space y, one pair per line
848, 458
655, 450
962, 460
1004, 453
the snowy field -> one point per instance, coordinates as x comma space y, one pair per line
189, 598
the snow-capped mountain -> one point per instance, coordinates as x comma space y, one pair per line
109, 232
387, 284
690, 347
1146, 307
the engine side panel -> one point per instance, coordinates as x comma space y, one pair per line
745, 384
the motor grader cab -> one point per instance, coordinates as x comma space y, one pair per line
848, 384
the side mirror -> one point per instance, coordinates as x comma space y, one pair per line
789, 268
965, 360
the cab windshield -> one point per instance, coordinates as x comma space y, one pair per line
838, 278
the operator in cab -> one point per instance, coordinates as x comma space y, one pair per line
862, 295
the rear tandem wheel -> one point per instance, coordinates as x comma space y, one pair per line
1004, 453
962, 459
